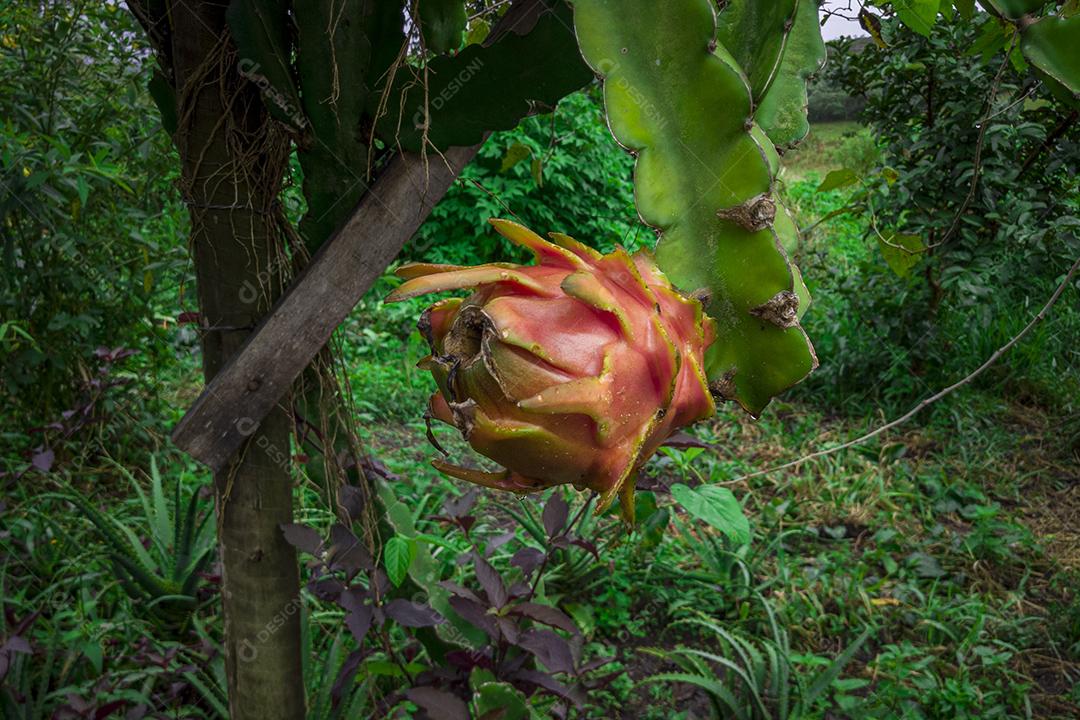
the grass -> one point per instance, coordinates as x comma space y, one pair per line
951, 544
826, 148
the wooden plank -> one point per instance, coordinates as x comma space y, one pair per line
255, 379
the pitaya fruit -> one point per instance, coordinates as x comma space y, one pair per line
574, 370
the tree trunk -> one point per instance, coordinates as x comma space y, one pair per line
233, 160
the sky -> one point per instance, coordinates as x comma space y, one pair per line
837, 26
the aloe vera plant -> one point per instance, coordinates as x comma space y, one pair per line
164, 575
749, 678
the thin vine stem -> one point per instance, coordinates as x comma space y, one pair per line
1001, 351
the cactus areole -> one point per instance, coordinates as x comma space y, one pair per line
570, 371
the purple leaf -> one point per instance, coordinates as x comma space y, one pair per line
345, 675
108, 709
438, 704
359, 622
347, 552
353, 598
373, 467
491, 582
43, 460
549, 683
519, 590
17, 643
459, 506
555, 513
497, 542
469, 659
328, 589
549, 648
508, 628
475, 614
351, 499
302, 537
587, 546
414, 615
528, 559
456, 589
547, 615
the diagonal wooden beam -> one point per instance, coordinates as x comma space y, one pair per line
255, 379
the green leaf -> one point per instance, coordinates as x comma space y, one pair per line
1014, 9
398, 555
829, 675
704, 179
966, 8
493, 696
901, 251
991, 40
441, 24
1053, 46
537, 170
838, 179
164, 96
424, 571
755, 33
514, 154
782, 112
716, 506
478, 32
919, 15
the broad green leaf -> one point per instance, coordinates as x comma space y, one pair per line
901, 251
966, 8
716, 506
442, 23
919, 15
398, 555
425, 573
164, 96
1053, 46
478, 32
484, 88
991, 40
782, 112
1014, 9
704, 179
492, 696
837, 179
755, 34
514, 154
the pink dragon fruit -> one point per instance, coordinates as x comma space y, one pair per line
573, 370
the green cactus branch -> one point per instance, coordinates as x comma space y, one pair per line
756, 33
705, 179
782, 110
456, 100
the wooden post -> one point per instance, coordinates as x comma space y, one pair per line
233, 162
237, 399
